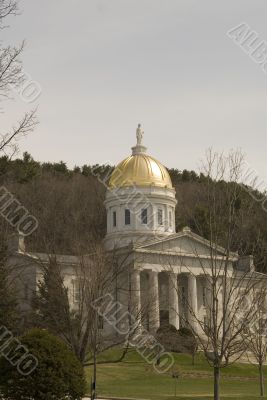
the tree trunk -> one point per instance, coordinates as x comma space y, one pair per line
93, 395
216, 383
261, 380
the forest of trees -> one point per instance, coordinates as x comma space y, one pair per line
68, 204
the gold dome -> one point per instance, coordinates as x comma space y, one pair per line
140, 169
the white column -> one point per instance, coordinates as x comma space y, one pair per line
173, 301
154, 317
192, 301
135, 305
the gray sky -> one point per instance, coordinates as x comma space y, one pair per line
105, 65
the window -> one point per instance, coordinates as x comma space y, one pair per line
144, 216
114, 218
170, 218
127, 217
262, 328
160, 216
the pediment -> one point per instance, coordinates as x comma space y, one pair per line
185, 242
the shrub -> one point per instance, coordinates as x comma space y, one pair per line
185, 332
59, 374
165, 328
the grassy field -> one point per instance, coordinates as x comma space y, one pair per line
134, 378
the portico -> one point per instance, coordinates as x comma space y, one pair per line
166, 297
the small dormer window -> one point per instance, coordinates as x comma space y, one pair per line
144, 216
114, 219
160, 216
127, 217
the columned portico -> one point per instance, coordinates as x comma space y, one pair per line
192, 301
173, 300
154, 317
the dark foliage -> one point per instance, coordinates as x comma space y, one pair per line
182, 341
8, 302
59, 375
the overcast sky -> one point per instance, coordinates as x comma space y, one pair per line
106, 65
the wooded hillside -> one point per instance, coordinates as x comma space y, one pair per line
68, 204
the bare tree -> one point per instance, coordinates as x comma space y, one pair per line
227, 281
255, 336
12, 76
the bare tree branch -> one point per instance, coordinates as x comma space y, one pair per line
7, 7
24, 126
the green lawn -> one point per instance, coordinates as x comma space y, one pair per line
135, 378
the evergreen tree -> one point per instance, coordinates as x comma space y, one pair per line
51, 304
51, 307
8, 302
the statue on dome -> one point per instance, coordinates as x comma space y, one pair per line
139, 135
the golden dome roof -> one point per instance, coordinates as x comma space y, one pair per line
140, 169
